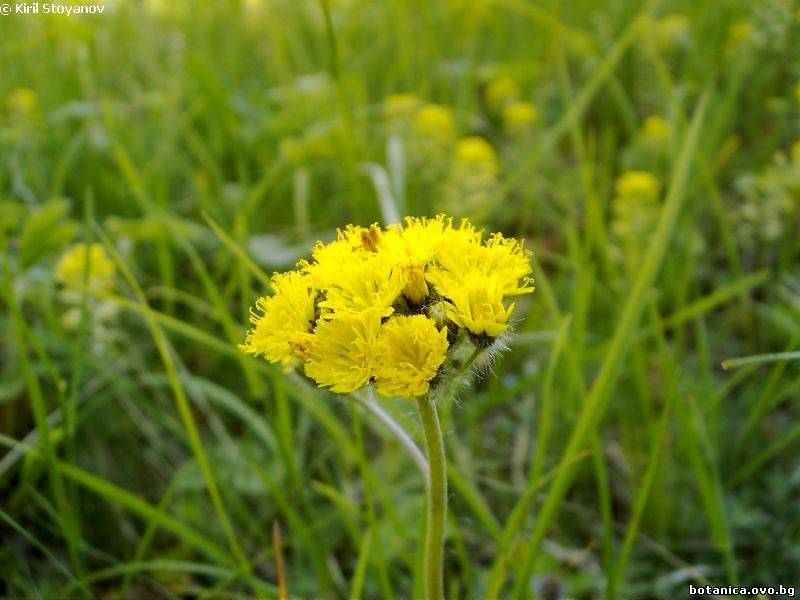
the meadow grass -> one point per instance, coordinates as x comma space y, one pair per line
639, 436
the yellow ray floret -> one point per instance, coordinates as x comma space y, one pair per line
87, 265
411, 247
477, 305
352, 245
283, 322
504, 259
408, 355
343, 351
365, 283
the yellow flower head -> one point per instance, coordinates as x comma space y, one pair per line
475, 153
501, 92
370, 282
353, 244
408, 355
795, 153
671, 32
740, 36
656, 130
342, 352
462, 255
435, 123
23, 101
410, 248
87, 265
477, 305
519, 117
283, 323
638, 184
400, 106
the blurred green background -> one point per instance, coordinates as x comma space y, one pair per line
644, 151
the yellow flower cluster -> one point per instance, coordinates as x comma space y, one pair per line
385, 305
635, 204
475, 153
503, 100
638, 185
655, 130
519, 118
86, 266
501, 92
436, 123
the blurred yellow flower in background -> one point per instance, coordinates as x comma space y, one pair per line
22, 101
475, 153
435, 123
500, 92
638, 184
655, 130
519, 117
634, 212
741, 36
471, 185
400, 106
86, 265
672, 32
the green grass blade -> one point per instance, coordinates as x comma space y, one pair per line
596, 402
184, 409
361, 567
757, 359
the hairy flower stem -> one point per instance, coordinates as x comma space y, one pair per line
367, 400
437, 498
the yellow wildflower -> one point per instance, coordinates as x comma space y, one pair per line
475, 153
408, 355
342, 352
638, 184
671, 32
23, 101
462, 255
795, 153
501, 92
410, 248
400, 106
635, 206
283, 322
73, 265
519, 117
435, 123
740, 36
656, 130
352, 245
363, 283
477, 304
